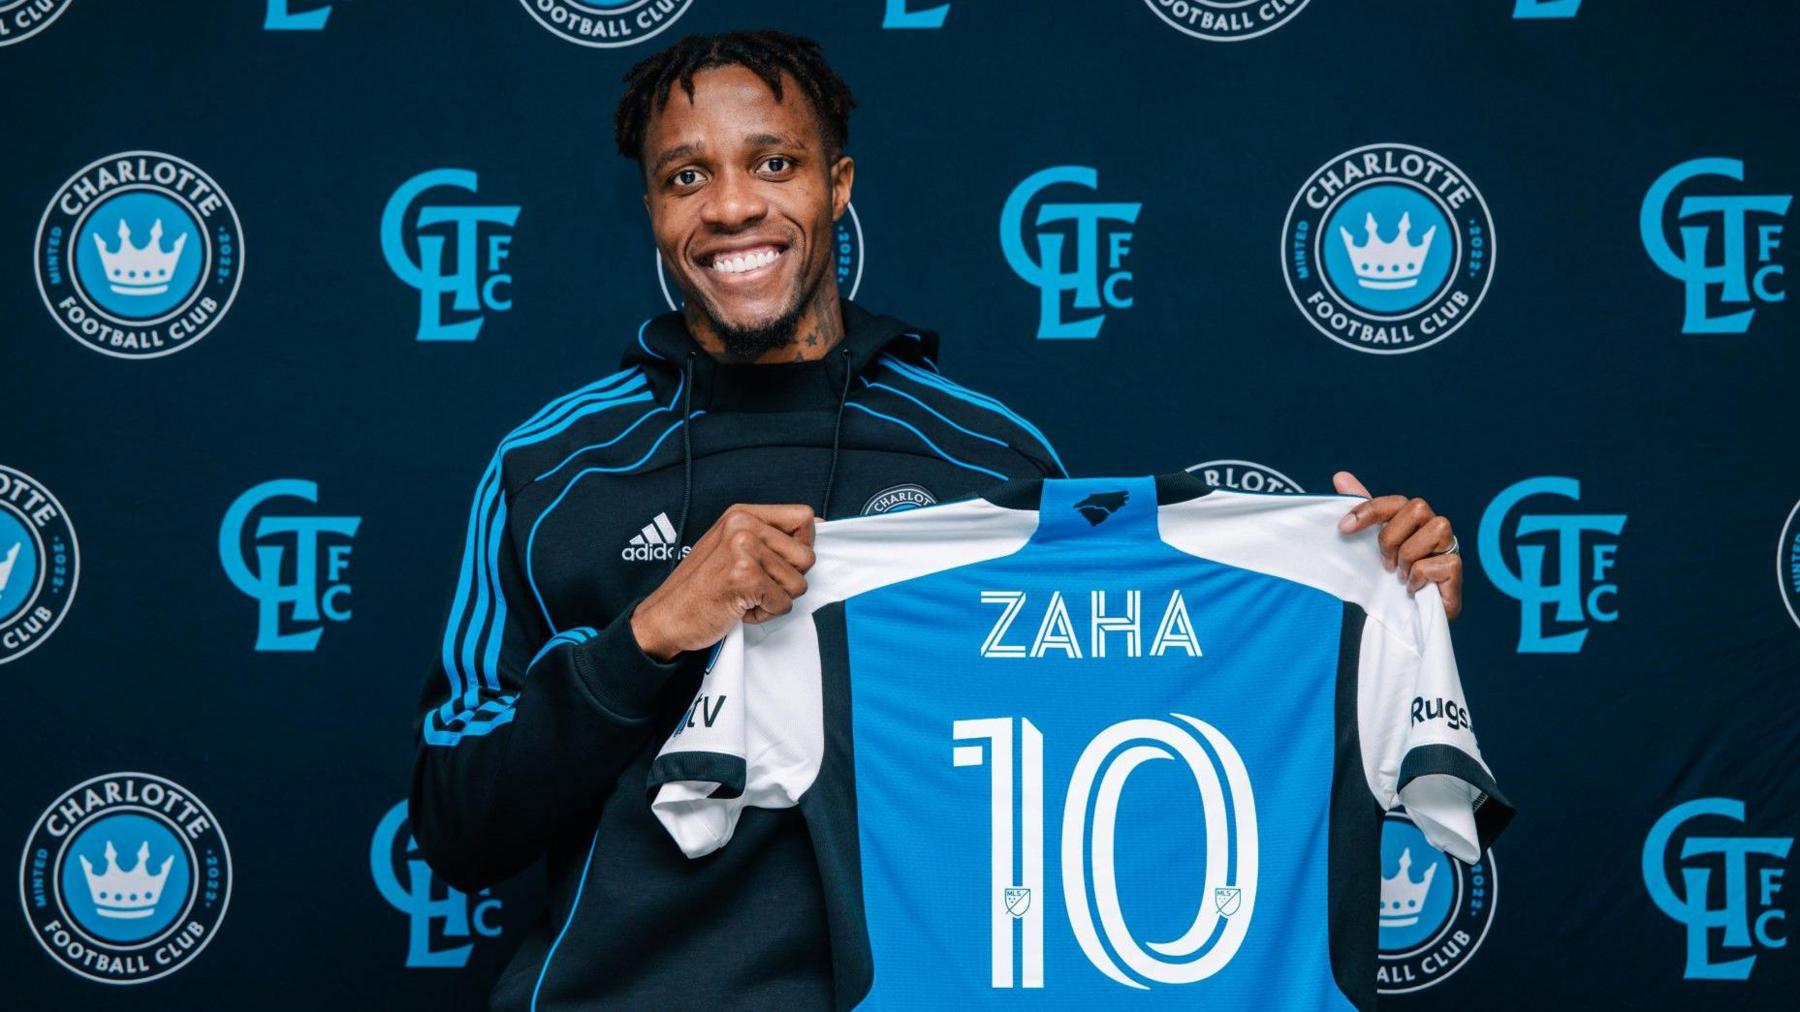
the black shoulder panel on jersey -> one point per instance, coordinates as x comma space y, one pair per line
830, 809
1354, 872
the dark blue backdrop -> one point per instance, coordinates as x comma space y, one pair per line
1619, 670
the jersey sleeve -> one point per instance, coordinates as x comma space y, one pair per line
752, 737
1418, 740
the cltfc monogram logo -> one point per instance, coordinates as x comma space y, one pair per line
1527, 584
1752, 873
1435, 912
262, 578
1737, 280
1044, 268
405, 881
125, 878
1525, 9
278, 18
475, 282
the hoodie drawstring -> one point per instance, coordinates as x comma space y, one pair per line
687, 459
837, 431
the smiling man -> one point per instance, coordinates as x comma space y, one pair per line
583, 612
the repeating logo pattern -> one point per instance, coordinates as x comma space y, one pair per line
1577, 589
1723, 939
1787, 563
125, 878
1097, 279
1225, 20
476, 280
435, 915
1435, 911
40, 563
1388, 248
312, 588
21, 19
139, 255
606, 25
1728, 243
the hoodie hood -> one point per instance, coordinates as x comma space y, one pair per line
663, 347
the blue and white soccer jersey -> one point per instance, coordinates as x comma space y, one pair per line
1090, 740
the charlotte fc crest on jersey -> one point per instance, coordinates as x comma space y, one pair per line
899, 497
846, 259
1244, 476
125, 878
1388, 248
139, 255
1435, 910
39, 563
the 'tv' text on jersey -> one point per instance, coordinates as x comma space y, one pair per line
1086, 738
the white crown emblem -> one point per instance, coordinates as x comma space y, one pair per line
1387, 265
6, 564
139, 270
1401, 897
126, 894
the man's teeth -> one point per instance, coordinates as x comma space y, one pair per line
745, 262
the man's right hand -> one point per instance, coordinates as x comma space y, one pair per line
747, 567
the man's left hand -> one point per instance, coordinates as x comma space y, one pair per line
1414, 540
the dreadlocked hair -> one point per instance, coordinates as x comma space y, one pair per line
766, 53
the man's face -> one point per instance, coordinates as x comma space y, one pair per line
742, 202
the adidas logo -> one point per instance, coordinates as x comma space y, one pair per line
656, 542
1097, 507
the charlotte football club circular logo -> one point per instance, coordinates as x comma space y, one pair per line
1225, 20
846, 259
21, 19
39, 563
1787, 563
125, 878
139, 255
1435, 910
606, 25
899, 498
1244, 476
1388, 249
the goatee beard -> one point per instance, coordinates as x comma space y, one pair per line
749, 343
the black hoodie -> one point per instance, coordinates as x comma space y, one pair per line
539, 722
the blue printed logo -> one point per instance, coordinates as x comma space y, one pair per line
1244, 476
1787, 564
1092, 286
39, 564
1435, 911
278, 17
1745, 270
139, 255
21, 19
846, 256
1225, 20
1751, 869
311, 587
125, 878
1388, 249
603, 25
1525, 9
1530, 584
897, 15
475, 281
405, 881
